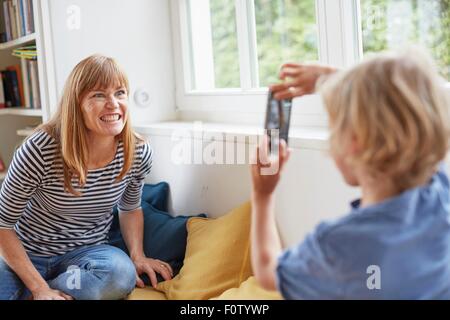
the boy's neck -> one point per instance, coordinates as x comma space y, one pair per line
377, 190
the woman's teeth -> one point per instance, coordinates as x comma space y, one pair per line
110, 118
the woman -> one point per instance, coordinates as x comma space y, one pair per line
57, 199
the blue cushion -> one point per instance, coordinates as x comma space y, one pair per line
164, 235
156, 195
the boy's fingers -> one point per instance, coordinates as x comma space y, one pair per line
284, 153
290, 72
264, 151
277, 87
289, 93
290, 65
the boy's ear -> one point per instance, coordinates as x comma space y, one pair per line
353, 147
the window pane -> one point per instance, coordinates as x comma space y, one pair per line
213, 44
388, 24
286, 30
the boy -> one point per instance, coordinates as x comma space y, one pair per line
389, 130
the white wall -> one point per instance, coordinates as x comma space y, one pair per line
135, 32
311, 188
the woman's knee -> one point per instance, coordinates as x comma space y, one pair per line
122, 275
117, 276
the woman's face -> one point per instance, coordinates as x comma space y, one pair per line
105, 111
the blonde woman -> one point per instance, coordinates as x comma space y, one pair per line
57, 199
389, 126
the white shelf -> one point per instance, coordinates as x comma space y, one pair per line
24, 132
21, 112
17, 42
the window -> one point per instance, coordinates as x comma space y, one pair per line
286, 30
227, 52
275, 31
388, 24
213, 44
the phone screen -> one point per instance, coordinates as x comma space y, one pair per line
278, 117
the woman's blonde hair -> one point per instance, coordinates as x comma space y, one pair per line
67, 125
395, 106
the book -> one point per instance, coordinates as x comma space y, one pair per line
30, 14
14, 83
2, 165
22, 17
18, 72
17, 13
26, 18
12, 20
27, 52
7, 21
7, 88
26, 83
35, 84
2, 95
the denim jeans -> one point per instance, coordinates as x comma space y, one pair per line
98, 272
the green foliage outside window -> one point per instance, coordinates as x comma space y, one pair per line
286, 31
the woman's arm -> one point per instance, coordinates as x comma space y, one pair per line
266, 244
24, 175
132, 228
15, 256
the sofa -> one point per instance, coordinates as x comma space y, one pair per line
210, 257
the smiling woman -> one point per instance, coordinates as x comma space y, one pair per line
56, 202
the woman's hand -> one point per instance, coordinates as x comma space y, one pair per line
150, 267
266, 171
300, 79
46, 293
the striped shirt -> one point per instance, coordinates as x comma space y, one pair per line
50, 221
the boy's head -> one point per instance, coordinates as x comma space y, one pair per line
388, 116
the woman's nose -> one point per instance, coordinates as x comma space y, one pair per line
113, 102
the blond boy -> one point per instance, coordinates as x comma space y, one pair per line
388, 119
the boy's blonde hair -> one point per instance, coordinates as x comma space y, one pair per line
396, 109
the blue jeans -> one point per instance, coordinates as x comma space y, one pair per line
98, 272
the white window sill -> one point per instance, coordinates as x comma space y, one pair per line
299, 137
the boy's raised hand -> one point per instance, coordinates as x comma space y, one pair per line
299, 79
266, 170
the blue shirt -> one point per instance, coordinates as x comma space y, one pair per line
396, 249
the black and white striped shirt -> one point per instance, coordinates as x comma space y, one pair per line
50, 221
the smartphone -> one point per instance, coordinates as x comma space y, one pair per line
278, 117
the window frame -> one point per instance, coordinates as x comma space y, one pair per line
339, 44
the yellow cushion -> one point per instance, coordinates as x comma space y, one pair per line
249, 290
147, 293
217, 257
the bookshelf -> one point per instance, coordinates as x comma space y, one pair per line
20, 111
29, 82
24, 132
18, 42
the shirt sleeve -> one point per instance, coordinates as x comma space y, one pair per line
23, 178
305, 272
131, 198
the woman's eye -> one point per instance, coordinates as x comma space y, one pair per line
120, 92
98, 95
